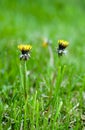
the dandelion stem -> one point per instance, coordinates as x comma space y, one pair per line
25, 81
51, 56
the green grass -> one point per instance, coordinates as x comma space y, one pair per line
56, 93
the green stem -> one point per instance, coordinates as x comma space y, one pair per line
25, 81
21, 78
25, 95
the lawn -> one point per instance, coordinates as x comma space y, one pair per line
55, 86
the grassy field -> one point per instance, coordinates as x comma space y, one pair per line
55, 85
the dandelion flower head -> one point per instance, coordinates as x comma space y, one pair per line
24, 48
61, 47
25, 51
62, 44
46, 42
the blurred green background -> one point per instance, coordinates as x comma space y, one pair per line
57, 18
24, 21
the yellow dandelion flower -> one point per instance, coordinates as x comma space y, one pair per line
24, 47
62, 44
61, 48
46, 42
25, 51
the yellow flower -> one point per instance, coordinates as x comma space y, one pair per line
24, 48
46, 42
62, 44
61, 48
25, 51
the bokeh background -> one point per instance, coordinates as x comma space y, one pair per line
27, 21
